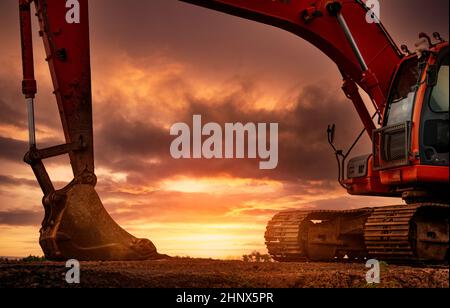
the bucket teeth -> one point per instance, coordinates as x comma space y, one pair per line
79, 227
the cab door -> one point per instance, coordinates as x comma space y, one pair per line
392, 143
434, 126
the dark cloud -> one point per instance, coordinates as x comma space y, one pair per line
12, 150
13, 108
13, 181
206, 39
304, 154
405, 19
20, 218
12, 115
130, 139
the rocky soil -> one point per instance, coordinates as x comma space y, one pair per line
199, 273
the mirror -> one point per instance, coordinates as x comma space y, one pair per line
331, 133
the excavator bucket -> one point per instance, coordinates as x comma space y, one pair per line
77, 226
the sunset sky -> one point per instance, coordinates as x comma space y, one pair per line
158, 62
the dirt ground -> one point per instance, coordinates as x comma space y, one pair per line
197, 273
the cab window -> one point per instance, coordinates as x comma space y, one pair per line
403, 93
439, 95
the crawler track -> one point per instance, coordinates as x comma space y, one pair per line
413, 233
283, 236
405, 234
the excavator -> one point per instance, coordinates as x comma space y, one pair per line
409, 132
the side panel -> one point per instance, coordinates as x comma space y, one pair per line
369, 183
417, 175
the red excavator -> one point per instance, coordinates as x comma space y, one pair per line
409, 132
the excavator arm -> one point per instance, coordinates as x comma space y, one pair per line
76, 225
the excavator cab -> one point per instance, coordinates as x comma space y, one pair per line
411, 150
410, 156
431, 104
